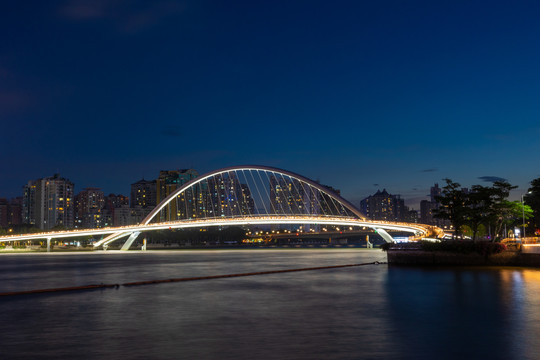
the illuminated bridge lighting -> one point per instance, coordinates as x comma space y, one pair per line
244, 196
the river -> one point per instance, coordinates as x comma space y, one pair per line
367, 312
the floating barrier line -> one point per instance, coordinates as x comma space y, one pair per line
71, 288
151, 282
137, 283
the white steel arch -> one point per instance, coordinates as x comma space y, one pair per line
203, 177
346, 204
357, 218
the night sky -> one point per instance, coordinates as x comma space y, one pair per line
361, 95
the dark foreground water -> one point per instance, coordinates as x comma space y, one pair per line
369, 312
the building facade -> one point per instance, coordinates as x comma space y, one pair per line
429, 207
186, 205
29, 203
384, 206
49, 203
143, 194
89, 204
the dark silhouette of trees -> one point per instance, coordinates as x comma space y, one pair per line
452, 206
483, 205
532, 199
479, 203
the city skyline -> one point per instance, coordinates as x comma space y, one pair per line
413, 204
360, 96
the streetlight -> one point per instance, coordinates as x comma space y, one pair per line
523, 209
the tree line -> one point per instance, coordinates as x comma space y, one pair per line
485, 211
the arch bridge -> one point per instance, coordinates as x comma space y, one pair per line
244, 196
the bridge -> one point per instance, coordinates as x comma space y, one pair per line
243, 196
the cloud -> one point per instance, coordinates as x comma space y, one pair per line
375, 184
491, 179
126, 16
12, 101
88, 9
171, 131
429, 170
5, 73
414, 201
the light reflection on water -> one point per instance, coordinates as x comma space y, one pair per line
371, 312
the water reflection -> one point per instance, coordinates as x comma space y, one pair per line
450, 313
372, 312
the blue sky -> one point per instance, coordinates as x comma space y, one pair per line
361, 95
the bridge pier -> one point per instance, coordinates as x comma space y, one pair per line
369, 245
49, 244
130, 240
386, 236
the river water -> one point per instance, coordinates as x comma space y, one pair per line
367, 312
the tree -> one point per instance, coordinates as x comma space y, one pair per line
479, 203
513, 214
532, 199
453, 206
502, 210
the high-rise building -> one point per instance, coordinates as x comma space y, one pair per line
428, 208
247, 202
225, 196
186, 204
143, 194
113, 202
15, 211
384, 206
426, 212
48, 202
435, 192
411, 216
4, 211
291, 196
287, 196
125, 215
10, 212
29, 203
330, 206
89, 204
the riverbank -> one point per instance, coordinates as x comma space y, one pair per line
87, 249
418, 257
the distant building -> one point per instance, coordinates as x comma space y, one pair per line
186, 204
4, 211
125, 215
435, 192
224, 196
326, 204
384, 206
29, 203
143, 194
15, 211
89, 204
428, 208
426, 212
10, 212
247, 203
411, 216
114, 201
290, 196
48, 202
286, 196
